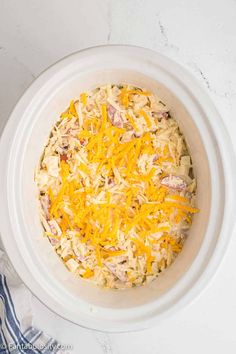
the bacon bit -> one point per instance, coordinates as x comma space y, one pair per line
63, 157
82, 142
174, 182
111, 181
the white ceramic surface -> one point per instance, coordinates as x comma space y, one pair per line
26, 134
201, 35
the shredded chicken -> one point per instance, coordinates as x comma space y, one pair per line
116, 187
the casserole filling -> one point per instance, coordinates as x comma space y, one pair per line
116, 187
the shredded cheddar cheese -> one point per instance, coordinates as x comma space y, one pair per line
104, 206
83, 98
145, 116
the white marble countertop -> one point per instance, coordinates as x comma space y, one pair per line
199, 34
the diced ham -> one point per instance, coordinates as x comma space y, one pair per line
112, 248
155, 157
174, 182
45, 203
118, 271
137, 134
78, 255
162, 114
115, 116
55, 228
81, 258
111, 111
53, 241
